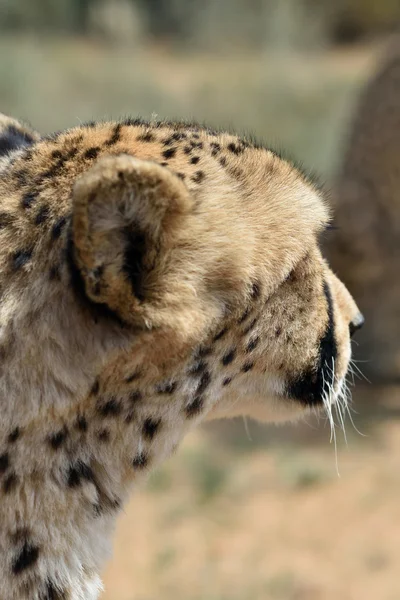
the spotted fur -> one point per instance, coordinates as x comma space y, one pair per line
152, 275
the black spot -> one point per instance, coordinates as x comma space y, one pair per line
228, 357
95, 388
220, 334
26, 558
150, 428
181, 176
244, 316
81, 423
180, 135
204, 382
52, 592
204, 351
58, 165
10, 483
42, 215
135, 396
147, 136
116, 135
167, 388
194, 160
104, 435
250, 326
134, 122
252, 345
14, 435
133, 377
216, 148
168, 141
236, 172
247, 367
198, 368
4, 462
133, 261
227, 381
77, 139
56, 440
235, 148
58, 227
54, 273
175, 137
78, 472
278, 331
129, 417
222, 161
187, 149
112, 408
106, 504
92, 152
21, 258
164, 164
140, 461
195, 407
6, 219
56, 154
169, 153
21, 177
255, 290
198, 177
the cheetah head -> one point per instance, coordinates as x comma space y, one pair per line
123, 256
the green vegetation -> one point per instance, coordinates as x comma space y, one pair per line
206, 23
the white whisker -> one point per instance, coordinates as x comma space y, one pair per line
247, 428
354, 364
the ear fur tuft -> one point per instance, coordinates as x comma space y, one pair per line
127, 218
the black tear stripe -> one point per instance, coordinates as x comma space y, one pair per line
309, 388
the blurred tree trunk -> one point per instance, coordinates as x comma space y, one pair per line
81, 15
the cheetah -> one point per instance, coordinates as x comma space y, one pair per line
152, 275
365, 248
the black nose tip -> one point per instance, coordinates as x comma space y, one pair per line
356, 324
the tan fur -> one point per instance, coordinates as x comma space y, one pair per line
365, 250
152, 275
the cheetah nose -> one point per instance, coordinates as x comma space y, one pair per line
356, 323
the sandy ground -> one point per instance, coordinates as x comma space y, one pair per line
268, 518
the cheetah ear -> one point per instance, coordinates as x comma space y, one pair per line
15, 135
128, 215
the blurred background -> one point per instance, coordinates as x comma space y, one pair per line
242, 512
